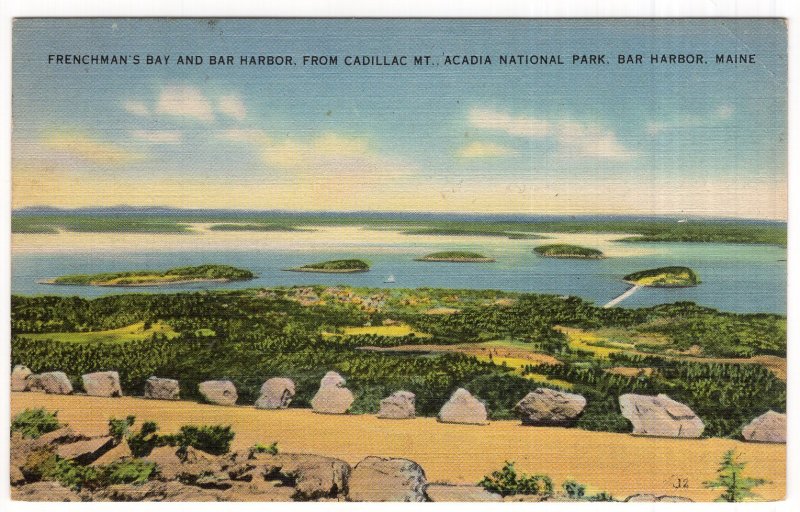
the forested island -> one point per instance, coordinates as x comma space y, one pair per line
178, 275
664, 277
334, 267
456, 257
568, 251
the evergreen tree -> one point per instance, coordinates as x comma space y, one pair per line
737, 487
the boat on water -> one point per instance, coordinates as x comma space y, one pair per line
389, 279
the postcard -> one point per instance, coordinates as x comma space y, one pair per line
459, 260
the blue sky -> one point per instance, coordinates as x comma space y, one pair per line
636, 139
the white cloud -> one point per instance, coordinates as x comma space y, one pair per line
232, 106
575, 139
158, 136
183, 101
715, 118
519, 126
137, 108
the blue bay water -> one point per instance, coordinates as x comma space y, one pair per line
737, 278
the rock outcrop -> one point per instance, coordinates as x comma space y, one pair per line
463, 408
44, 491
19, 378
770, 427
56, 383
85, 451
548, 407
276, 393
332, 397
220, 392
312, 476
660, 416
380, 479
159, 388
102, 384
460, 493
399, 405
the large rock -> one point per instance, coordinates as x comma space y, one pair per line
463, 408
332, 397
770, 427
399, 405
332, 379
43, 491
548, 407
102, 384
379, 479
19, 378
158, 388
460, 493
85, 452
276, 393
312, 476
221, 392
660, 416
56, 383
652, 498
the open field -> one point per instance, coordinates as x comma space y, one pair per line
135, 331
618, 463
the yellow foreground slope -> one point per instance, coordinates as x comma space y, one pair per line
618, 463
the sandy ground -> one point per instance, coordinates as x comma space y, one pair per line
617, 463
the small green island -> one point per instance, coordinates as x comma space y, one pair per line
334, 267
568, 251
456, 257
664, 277
178, 275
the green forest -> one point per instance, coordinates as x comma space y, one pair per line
248, 336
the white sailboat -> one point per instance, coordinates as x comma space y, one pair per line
389, 279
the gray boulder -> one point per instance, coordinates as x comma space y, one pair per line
660, 416
380, 479
158, 388
332, 397
463, 408
102, 384
399, 405
276, 393
56, 383
548, 407
770, 427
220, 392
652, 498
19, 378
313, 476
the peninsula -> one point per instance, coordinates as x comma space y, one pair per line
568, 251
456, 257
178, 275
334, 267
664, 277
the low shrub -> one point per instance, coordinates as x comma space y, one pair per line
213, 439
120, 429
506, 482
573, 489
271, 449
32, 423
